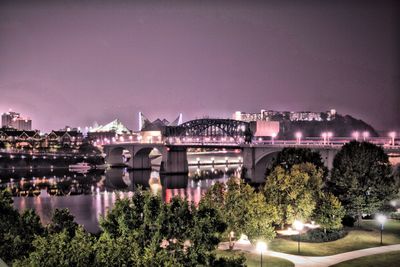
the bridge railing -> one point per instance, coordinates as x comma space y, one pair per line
226, 141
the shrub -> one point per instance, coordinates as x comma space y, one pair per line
395, 215
319, 236
229, 261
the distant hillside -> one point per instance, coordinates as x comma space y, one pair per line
341, 126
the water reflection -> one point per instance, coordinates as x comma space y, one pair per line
90, 195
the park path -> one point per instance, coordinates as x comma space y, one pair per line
323, 261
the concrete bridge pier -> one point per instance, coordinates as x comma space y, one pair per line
256, 160
328, 156
140, 159
174, 161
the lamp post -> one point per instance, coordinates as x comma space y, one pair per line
273, 136
365, 135
298, 137
329, 135
393, 136
324, 136
231, 236
261, 247
356, 135
381, 219
298, 225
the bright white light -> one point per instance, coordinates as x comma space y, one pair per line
298, 225
392, 134
366, 134
273, 135
356, 135
381, 218
330, 134
298, 135
324, 135
261, 246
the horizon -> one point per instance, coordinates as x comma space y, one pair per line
76, 62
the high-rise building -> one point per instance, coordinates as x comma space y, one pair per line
272, 115
14, 120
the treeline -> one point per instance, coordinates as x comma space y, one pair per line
341, 126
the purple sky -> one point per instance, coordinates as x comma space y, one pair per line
72, 64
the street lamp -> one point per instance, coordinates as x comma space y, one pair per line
262, 248
231, 236
393, 136
365, 135
273, 136
324, 136
298, 137
330, 135
298, 225
381, 219
356, 135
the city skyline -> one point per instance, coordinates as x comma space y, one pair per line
79, 62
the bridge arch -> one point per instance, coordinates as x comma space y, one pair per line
115, 156
263, 160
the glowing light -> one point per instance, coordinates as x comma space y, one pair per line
261, 246
356, 135
365, 135
381, 219
298, 225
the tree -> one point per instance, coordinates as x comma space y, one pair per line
362, 178
329, 212
59, 249
289, 157
62, 220
9, 228
244, 210
148, 232
294, 192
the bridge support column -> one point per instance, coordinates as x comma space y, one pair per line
140, 162
174, 161
327, 156
249, 163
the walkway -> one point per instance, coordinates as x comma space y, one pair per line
308, 261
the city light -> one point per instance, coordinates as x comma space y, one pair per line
393, 136
324, 135
273, 136
298, 136
365, 135
356, 135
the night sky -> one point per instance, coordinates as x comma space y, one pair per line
75, 62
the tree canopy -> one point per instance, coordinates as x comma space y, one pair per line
290, 156
244, 210
294, 192
362, 178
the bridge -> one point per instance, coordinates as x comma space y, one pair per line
223, 134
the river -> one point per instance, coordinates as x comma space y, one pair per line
88, 196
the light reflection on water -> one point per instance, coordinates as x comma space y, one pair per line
89, 197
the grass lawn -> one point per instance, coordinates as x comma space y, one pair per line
368, 235
253, 260
390, 259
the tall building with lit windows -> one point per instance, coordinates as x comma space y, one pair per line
14, 120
